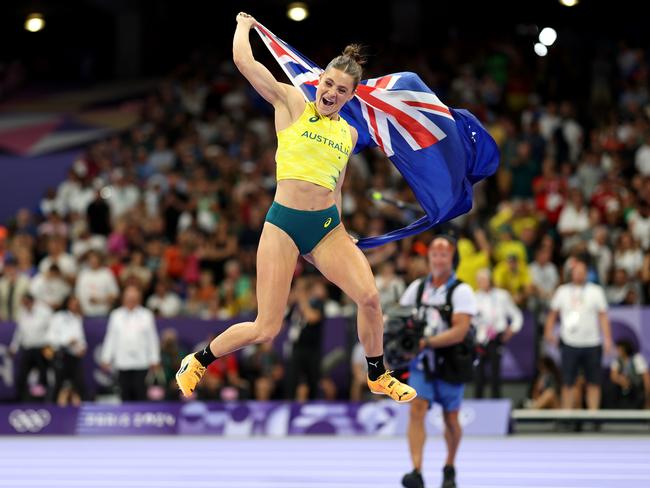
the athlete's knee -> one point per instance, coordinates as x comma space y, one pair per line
369, 299
266, 330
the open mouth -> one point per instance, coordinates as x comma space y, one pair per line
326, 102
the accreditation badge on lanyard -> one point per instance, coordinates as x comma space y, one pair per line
574, 316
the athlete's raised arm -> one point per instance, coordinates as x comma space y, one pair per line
255, 72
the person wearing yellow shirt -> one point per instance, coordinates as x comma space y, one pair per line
314, 143
471, 258
511, 275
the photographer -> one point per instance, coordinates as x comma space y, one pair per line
445, 363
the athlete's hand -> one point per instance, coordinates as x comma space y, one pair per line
246, 20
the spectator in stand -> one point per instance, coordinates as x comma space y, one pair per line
629, 373
514, 277
264, 371
164, 302
54, 226
98, 216
96, 287
471, 258
136, 272
628, 256
642, 156
601, 253
550, 191
622, 291
171, 353
13, 287
56, 255
390, 286
573, 220
639, 225
546, 387
544, 275
50, 287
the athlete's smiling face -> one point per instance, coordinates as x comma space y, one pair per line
334, 90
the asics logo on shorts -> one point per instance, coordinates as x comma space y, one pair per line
327, 222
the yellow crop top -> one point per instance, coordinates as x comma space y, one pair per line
314, 148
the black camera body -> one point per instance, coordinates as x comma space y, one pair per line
402, 333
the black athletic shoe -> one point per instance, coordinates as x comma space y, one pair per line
413, 480
448, 477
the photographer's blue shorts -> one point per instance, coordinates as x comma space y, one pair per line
447, 395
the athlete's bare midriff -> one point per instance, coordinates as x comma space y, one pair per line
303, 195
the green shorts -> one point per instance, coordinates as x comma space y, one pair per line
306, 227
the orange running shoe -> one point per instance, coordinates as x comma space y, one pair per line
388, 385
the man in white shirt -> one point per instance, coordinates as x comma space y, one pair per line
131, 345
439, 371
164, 302
497, 319
56, 255
573, 220
582, 308
50, 287
96, 287
544, 275
30, 337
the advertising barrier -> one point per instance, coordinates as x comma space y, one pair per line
244, 419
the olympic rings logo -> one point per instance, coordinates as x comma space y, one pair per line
29, 420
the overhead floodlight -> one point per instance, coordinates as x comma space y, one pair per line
540, 49
34, 22
569, 3
297, 11
547, 36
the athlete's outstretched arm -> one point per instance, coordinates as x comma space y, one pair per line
255, 72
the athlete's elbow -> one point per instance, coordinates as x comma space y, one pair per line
243, 60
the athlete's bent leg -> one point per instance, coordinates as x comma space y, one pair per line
343, 263
276, 261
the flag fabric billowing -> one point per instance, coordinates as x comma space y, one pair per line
440, 151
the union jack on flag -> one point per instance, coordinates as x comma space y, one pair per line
440, 151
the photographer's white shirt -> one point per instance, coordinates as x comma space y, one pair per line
463, 300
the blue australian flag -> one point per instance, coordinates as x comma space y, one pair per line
440, 151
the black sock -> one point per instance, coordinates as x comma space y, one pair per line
375, 367
205, 357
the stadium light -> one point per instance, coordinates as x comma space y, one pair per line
547, 36
297, 11
34, 22
569, 3
540, 49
